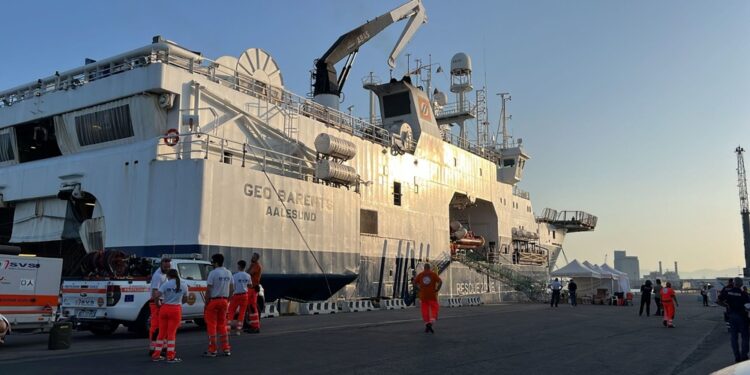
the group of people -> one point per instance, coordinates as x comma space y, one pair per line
665, 300
556, 287
228, 296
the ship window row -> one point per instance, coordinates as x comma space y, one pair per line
84, 129
104, 126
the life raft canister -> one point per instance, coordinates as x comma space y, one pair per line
171, 137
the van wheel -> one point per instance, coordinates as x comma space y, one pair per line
104, 329
200, 322
141, 325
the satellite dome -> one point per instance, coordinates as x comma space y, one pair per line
460, 64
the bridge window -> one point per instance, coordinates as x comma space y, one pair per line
398, 104
104, 126
368, 221
397, 193
509, 162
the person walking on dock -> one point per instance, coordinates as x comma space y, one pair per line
572, 287
646, 290
668, 302
704, 295
734, 299
657, 298
556, 286
217, 294
428, 282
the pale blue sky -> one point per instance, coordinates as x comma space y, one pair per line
630, 110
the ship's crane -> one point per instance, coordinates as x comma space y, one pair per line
327, 86
744, 211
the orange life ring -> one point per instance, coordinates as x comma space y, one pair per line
171, 137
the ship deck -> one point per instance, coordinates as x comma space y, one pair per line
509, 338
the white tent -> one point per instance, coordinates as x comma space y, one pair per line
576, 269
623, 282
608, 278
586, 278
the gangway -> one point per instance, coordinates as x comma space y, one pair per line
572, 221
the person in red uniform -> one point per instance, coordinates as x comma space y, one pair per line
217, 294
171, 296
668, 302
429, 284
159, 277
252, 295
241, 282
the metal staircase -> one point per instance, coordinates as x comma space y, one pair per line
442, 263
533, 288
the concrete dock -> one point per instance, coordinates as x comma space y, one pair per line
507, 338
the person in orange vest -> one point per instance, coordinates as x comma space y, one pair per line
217, 294
429, 284
668, 302
241, 281
171, 296
157, 279
255, 272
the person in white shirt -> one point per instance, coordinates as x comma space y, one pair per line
217, 296
241, 282
171, 296
159, 277
556, 287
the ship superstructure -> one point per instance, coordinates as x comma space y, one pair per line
161, 150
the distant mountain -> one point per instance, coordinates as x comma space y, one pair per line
709, 273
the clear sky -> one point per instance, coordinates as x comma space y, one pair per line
630, 110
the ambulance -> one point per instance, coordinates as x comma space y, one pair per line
29, 291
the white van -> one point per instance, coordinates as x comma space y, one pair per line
29, 291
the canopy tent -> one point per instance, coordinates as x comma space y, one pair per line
623, 282
608, 278
576, 269
586, 278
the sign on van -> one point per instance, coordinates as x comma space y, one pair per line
27, 284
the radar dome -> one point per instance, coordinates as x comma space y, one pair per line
460, 64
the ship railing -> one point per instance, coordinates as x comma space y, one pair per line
521, 193
455, 108
95, 70
198, 145
487, 152
171, 54
286, 101
580, 218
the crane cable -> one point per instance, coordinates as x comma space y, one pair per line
296, 226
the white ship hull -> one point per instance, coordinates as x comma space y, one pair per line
240, 180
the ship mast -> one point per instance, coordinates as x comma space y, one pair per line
744, 211
504, 98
